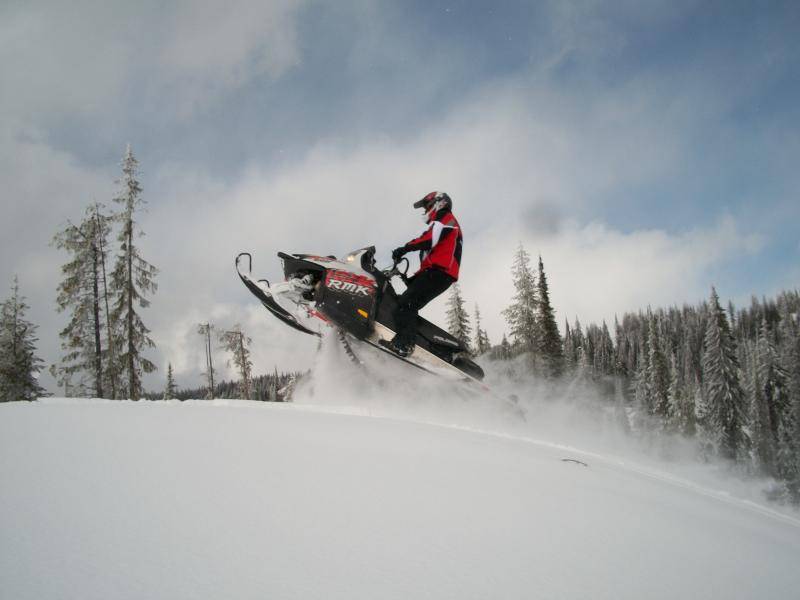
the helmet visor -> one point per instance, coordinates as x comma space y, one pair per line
422, 203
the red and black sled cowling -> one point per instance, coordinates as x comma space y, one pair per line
354, 296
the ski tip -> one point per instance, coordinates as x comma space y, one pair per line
249, 261
572, 460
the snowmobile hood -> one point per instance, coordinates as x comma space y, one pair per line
360, 262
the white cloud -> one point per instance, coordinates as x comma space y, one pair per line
60, 59
232, 42
216, 47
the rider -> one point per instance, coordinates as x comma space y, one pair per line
440, 258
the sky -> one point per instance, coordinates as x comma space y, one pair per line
646, 150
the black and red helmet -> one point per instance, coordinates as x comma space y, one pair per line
433, 203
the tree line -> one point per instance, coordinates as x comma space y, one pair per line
729, 379
104, 285
272, 387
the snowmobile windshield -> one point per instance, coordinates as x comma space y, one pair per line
363, 257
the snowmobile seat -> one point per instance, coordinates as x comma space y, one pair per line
438, 337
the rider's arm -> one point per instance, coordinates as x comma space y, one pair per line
428, 239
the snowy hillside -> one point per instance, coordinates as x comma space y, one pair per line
248, 500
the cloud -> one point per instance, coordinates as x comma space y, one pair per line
97, 58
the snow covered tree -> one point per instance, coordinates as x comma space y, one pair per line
83, 292
788, 458
482, 344
206, 329
675, 396
548, 340
570, 350
773, 379
681, 395
521, 314
235, 342
578, 342
657, 373
760, 428
605, 356
457, 317
132, 279
640, 387
769, 399
504, 351
171, 390
725, 401
273, 388
19, 365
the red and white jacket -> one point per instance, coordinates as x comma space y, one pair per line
440, 245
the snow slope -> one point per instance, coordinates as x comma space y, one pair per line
245, 500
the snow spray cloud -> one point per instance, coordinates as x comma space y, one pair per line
385, 387
571, 414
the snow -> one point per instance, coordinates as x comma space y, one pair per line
231, 499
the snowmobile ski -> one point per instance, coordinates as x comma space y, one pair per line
261, 290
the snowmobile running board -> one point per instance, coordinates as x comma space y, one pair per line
261, 291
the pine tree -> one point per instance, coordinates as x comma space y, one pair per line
764, 449
83, 292
570, 349
273, 389
521, 314
132, 279
788, 458
641, 389
457, 317
585, 362
548, 340
505, 349
688, 389
773, 379
235, 342
623, 350
206, 329
657, 373
482, 344
727, 412
675, 397
19, 365
171, 390
578, 341
605, 359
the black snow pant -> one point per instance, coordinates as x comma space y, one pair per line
422, 288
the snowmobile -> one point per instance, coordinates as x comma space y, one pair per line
357, 299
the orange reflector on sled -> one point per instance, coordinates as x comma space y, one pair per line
363, 313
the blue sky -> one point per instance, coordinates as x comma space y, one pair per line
647, 149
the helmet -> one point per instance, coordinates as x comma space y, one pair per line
433, 203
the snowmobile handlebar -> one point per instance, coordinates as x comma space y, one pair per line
394, 270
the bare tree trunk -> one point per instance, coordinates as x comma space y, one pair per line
98, 359
245, 370
112, 376
209, 361
133, 388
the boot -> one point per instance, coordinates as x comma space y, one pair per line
398, 347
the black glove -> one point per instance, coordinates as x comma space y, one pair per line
398, 253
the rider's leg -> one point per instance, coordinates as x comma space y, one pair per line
422, 288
